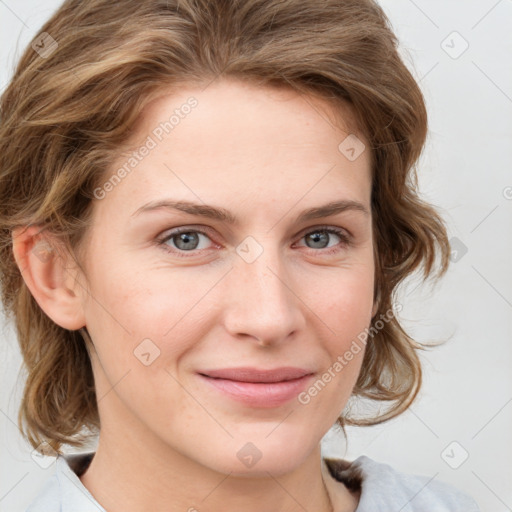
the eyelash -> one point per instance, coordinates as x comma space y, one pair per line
346, 240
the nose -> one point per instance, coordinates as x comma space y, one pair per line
260, 300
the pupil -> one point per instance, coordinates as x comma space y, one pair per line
184, 240
316, 236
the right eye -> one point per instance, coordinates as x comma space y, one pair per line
184, 239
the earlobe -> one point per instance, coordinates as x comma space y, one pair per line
47, 277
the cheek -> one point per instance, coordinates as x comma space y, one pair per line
144, 324
141, 302
344, 301
346, 311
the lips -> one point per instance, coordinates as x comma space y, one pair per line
254, 387
257, 375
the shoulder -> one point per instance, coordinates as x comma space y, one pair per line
63, 491
48, 498
383, 487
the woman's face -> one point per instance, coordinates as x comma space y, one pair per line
254, 287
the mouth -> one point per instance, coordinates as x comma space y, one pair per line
257, 375
256, 388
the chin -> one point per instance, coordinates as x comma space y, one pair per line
250, 459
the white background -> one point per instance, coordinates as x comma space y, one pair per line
465, 170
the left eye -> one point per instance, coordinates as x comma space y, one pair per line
321, 235
188, 240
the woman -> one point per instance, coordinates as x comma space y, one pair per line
252, 131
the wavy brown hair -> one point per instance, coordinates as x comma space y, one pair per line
66, 115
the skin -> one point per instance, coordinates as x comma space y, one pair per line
168, 441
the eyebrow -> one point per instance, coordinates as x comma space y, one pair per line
223, 215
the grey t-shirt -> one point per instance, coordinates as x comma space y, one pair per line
382, 488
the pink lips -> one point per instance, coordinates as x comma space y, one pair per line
256, 387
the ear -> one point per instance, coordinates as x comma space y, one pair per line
48, 277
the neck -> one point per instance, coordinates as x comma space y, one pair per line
126, 478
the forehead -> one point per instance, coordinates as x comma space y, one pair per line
240, 140
243, 103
